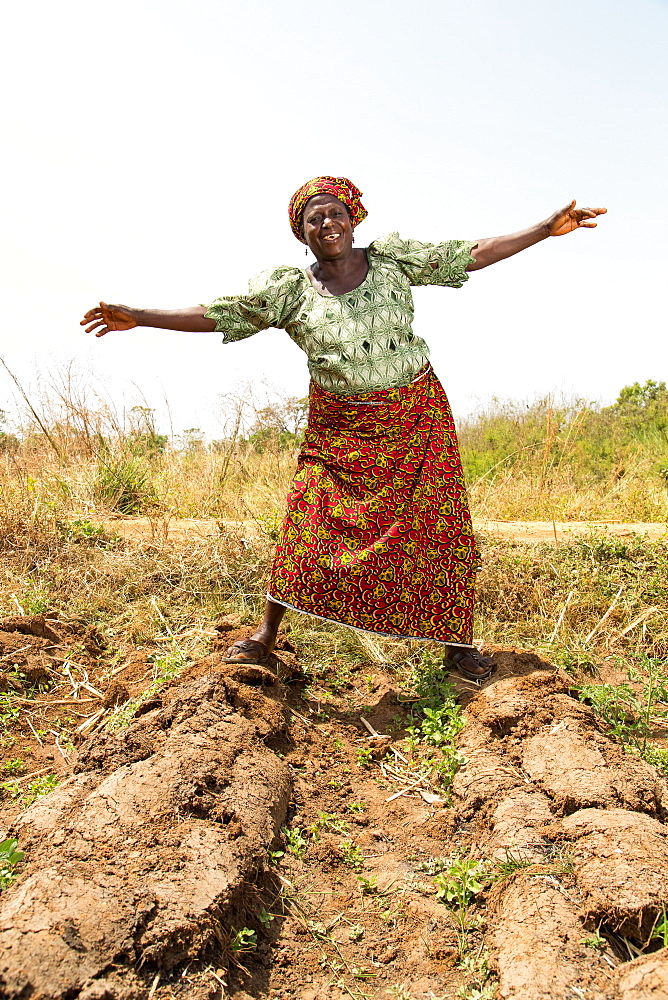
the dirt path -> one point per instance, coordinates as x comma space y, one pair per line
256, 839
192, 529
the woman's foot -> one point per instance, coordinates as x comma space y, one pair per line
469, 662
254, 651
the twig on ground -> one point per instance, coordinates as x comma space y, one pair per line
14, 652
561, 617
404, 790
90, 721
370, 729
605, 616
65, 701
301, 718
34, 732
35, 774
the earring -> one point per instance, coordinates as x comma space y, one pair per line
353, 237
306, 252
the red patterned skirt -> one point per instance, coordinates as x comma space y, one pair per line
378, 533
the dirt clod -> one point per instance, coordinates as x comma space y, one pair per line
142, 854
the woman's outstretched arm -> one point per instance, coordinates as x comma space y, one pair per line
104, 318
564, 221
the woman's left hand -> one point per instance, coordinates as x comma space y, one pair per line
569, 218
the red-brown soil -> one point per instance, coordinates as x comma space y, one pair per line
154, 848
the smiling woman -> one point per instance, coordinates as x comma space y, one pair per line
377, 534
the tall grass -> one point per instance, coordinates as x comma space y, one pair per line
570, 461
544, 461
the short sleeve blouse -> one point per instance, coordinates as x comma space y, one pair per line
359, 341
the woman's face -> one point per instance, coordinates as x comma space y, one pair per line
327, 228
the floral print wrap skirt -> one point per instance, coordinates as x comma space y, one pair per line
378, 533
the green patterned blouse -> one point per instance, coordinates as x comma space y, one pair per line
359, 341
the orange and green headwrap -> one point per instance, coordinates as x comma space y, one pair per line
340, 187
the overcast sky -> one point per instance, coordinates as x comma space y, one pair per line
151, 148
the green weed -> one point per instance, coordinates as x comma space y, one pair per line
12, 766
660, 930
438, 720
328, 822
295, 841
166, 666
242, 941
368, 886
460, 882
351, 854
595, 941
9, 859
628, 708
364, 757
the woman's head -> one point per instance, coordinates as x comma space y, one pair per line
340, 187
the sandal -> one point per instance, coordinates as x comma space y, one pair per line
251, 653
455, 658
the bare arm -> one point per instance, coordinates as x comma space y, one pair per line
496, 248
104, 318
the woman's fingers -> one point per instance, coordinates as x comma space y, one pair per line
96, 326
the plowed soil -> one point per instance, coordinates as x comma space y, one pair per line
244, 837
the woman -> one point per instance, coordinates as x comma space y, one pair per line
377, 534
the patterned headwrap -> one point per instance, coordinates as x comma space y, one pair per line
340, 187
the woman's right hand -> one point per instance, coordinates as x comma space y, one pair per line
104, 318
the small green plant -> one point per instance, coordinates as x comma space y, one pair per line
476, 967
243, 941
627, 713
368, 886
438, 722
265, 918
660, 929
275, 856
40, 786
9, 709
9, 859
84, 531
357, 808
364, 757
595, 941
461, 882
351, 854
295, 841
12, 766
502, 868
329, 822
486, 992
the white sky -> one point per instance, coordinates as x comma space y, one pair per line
150, 150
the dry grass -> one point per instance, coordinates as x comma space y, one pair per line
72, 460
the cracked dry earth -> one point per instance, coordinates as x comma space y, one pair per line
161, 843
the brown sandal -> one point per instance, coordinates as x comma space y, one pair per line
454, 658
252, 653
